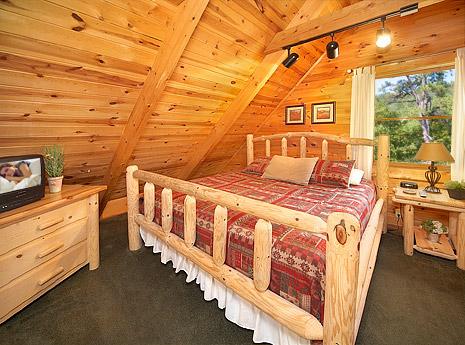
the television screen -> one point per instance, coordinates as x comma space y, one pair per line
20, 174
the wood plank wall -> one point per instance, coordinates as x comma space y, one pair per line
222, 54
70, 72
330, 81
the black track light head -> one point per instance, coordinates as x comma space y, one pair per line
332, 48
290, 59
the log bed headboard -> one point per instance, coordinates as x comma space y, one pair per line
380, 175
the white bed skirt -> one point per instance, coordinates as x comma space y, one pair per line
237, 310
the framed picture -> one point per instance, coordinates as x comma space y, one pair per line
295, 115
324, 112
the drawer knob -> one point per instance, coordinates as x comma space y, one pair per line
50, 250
51, 276
51, 223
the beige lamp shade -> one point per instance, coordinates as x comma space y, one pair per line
435, 152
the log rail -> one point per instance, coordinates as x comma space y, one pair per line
342, 231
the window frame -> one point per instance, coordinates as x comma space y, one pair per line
446, 62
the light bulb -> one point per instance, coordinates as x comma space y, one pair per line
383, 37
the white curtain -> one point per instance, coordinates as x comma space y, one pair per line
458, 118
362, 116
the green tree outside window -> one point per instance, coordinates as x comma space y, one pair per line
414, 109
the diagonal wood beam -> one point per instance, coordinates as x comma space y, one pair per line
262, 73
278, 106
350, 15
183, 25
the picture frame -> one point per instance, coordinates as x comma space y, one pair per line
295, 115
324, 112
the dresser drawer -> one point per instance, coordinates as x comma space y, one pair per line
17, 234
20, 290
22, 259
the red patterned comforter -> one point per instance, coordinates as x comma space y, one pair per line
298, 258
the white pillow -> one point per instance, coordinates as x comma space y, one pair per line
356, 176
289, 169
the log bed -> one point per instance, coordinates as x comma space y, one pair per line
350, 257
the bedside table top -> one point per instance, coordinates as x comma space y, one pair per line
439, 201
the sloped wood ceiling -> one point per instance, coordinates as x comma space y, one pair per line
70, 72
224, 51
421, 34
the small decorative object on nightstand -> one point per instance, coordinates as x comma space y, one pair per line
434, 229
456, 189
433, 152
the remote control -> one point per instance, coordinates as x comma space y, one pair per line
422, 193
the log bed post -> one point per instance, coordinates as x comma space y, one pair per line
220, 232
324, 149
249, 148
132, 183
349, 152
190, 220
342, 266
166, 210
283, 147
303, 147
149, 201
262, 255
382, 174
268, 147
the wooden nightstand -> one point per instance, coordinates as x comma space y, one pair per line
456, 209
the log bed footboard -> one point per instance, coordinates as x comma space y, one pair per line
349, 259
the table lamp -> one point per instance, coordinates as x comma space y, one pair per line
433, 152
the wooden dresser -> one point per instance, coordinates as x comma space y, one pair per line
45, 242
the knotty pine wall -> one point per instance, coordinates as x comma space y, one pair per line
319, 90
224, 51
413, 37
70, 73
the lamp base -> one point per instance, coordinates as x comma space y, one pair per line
432, 176
432, 189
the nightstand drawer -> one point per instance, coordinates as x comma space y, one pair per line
23, 232
22, 259
22, 289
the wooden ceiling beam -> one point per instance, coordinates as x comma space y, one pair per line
347, 16
182, 27
279, 105
310, 9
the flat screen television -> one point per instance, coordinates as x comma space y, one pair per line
22, 181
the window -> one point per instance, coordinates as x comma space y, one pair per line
414, 109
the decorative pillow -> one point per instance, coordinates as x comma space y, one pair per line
289, 169
333, 173
356, 176
258, 166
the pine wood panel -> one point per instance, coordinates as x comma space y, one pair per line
70, 72
217, 62
331, 82
416, 35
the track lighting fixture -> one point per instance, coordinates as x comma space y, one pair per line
332, 48
290, 59
383, 36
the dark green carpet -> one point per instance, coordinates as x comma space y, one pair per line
134, 299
